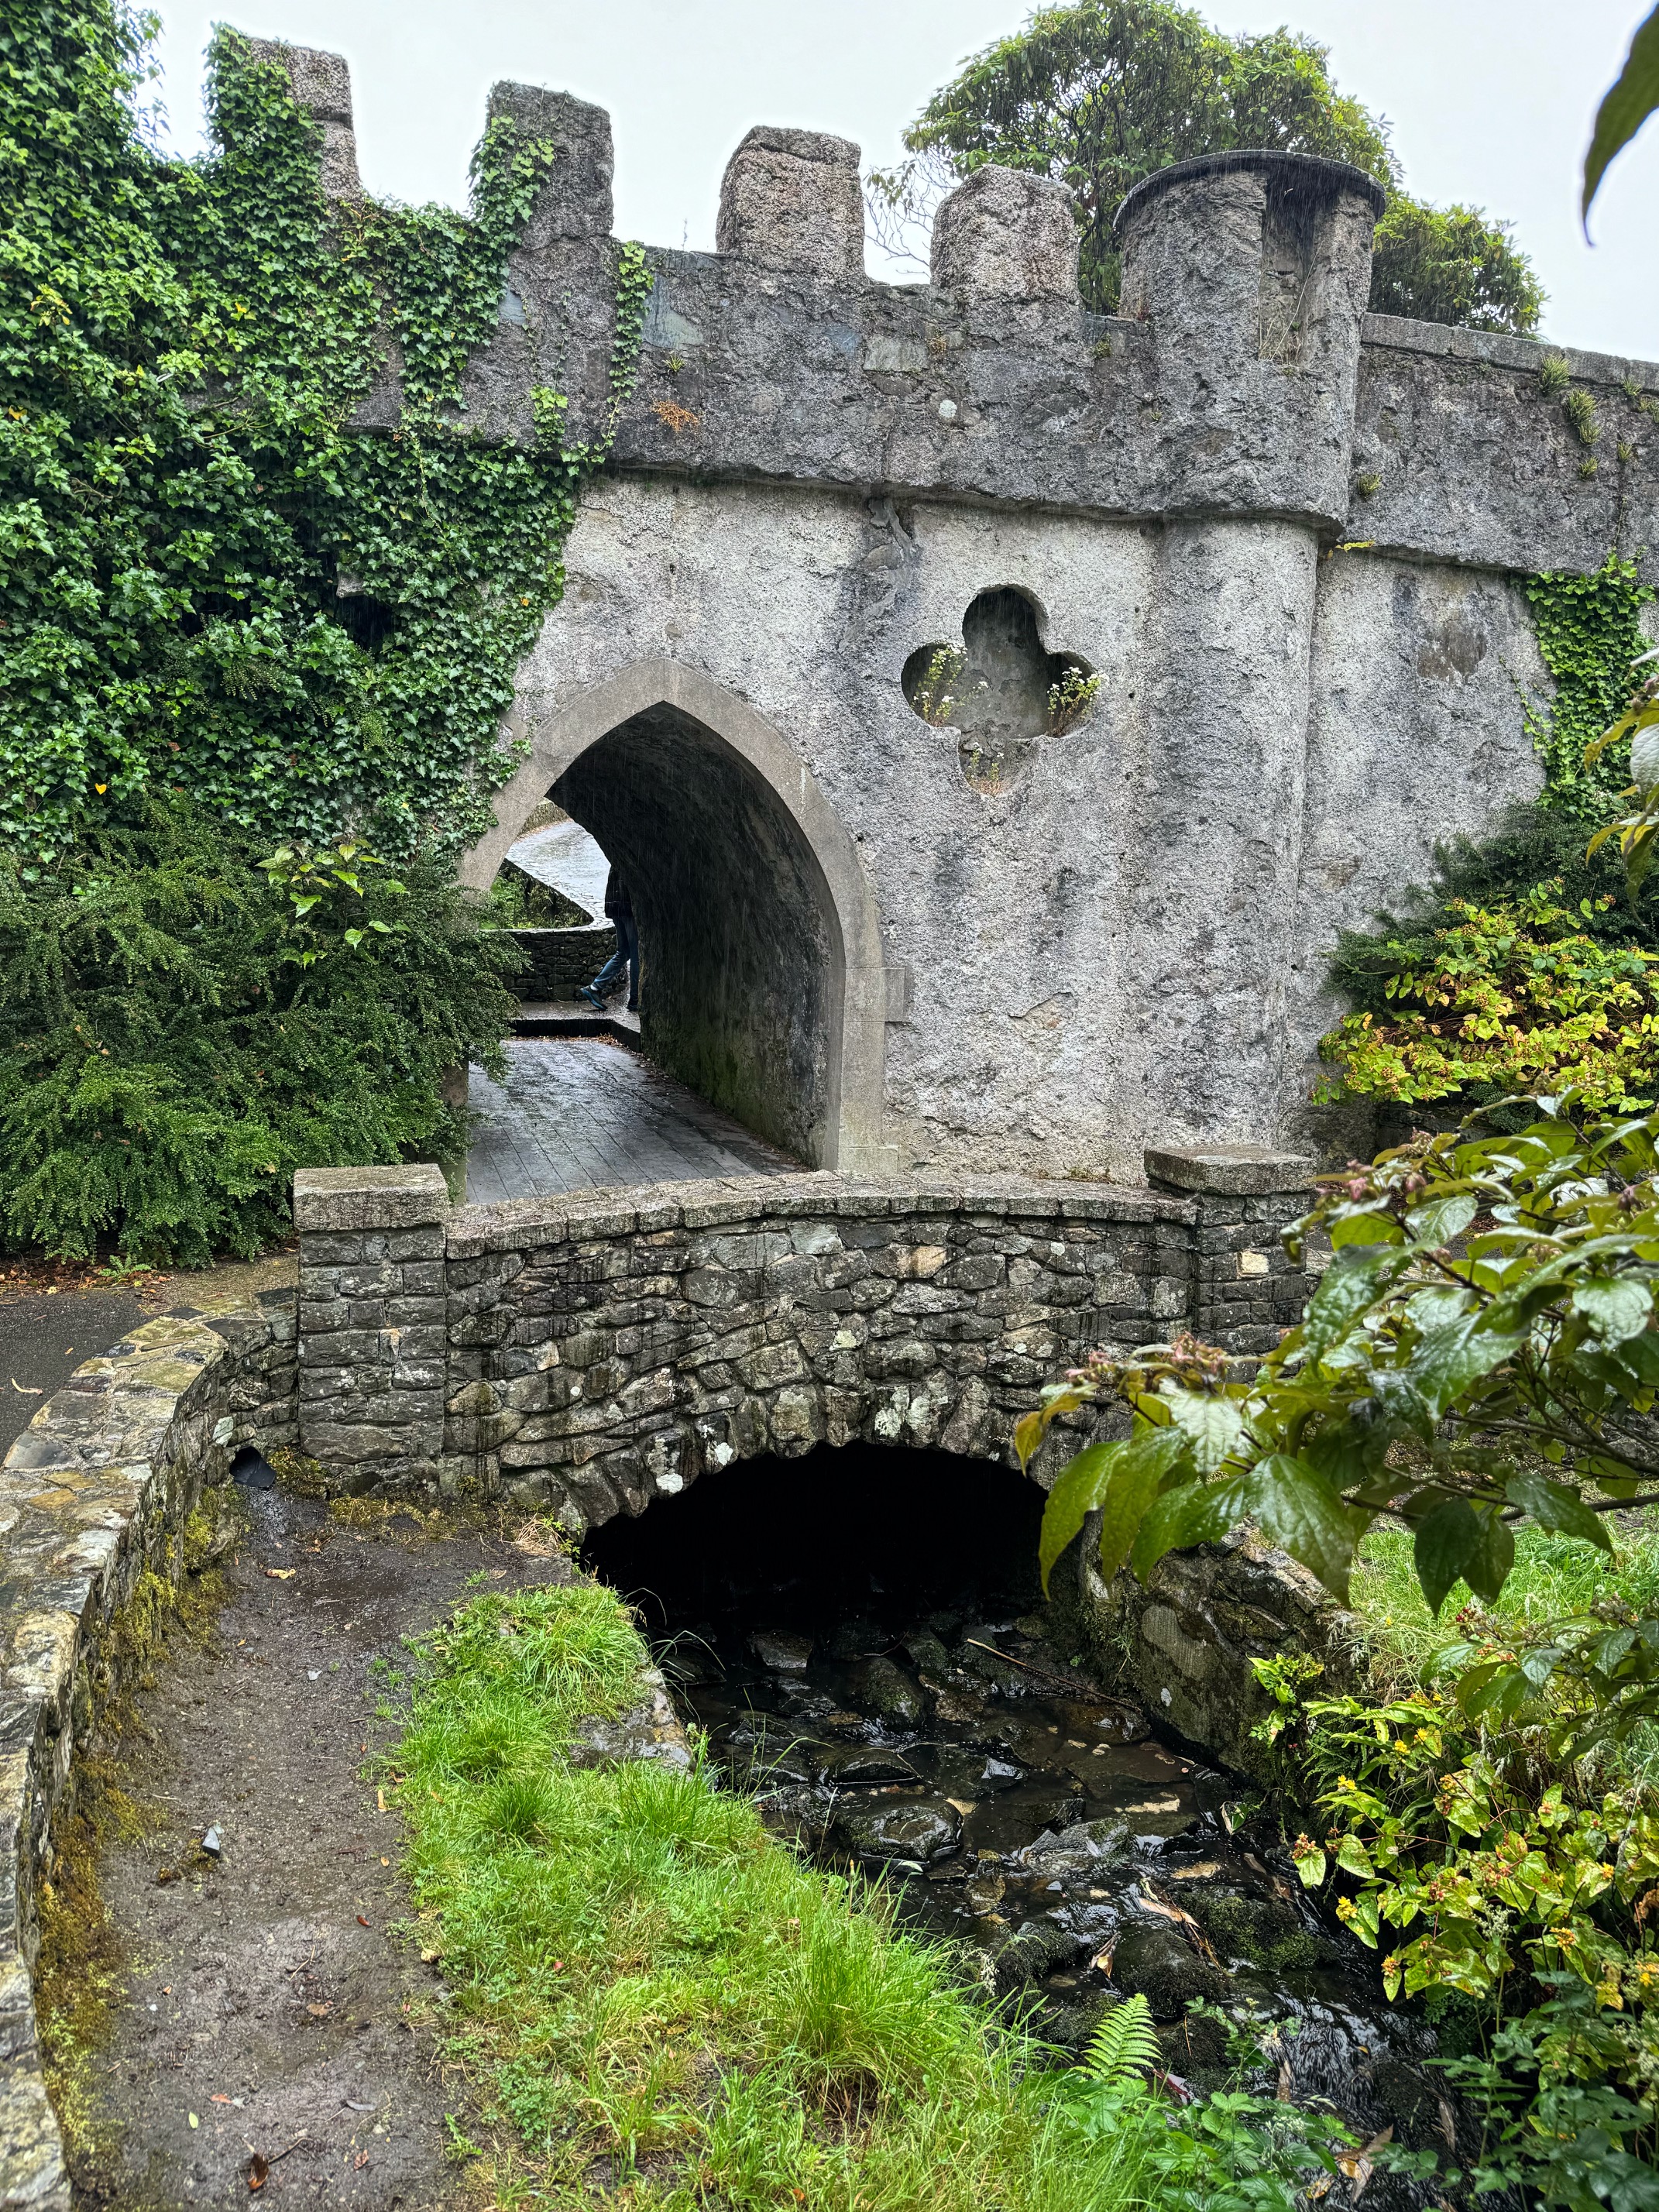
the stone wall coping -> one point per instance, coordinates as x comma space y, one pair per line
521, 1225
96, 1487
1401, 334
1229, 1170
407, 1197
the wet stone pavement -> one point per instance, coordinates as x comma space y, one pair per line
274, 1991
587, 1114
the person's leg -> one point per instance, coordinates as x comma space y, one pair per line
610, 974
629, 944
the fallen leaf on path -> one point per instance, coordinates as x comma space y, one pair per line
360, 2161
282, 1574
258, 2171
362, 1922
380, 1800
320, 2011
194, 2121
218, 2098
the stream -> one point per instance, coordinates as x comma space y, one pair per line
894, 1704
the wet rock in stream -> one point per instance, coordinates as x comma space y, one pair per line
1025, 1813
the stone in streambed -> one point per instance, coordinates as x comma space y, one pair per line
863, 1763
857, 1639
1159, 1964
888, 1692
899, 1828
782, 1654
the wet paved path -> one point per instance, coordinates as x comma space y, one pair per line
586, 1114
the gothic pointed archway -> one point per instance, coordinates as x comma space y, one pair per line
757, 924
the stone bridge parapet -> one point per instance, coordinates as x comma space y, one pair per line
591, 1353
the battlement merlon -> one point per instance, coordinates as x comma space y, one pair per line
1244, 377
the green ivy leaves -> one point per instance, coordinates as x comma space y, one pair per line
211, 579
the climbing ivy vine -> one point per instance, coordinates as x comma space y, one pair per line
210, 580
1588, 632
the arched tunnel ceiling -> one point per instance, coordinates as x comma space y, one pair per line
739, 944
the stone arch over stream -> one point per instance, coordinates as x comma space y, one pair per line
759, 933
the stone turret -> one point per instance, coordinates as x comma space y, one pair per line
1007, 235
790, 201
322, 86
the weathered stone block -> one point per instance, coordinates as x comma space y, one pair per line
791, 201
1007, 234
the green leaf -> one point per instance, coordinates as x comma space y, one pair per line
1447, 1360
1211, 1425
1122, 1479
1616, 1307
1487, 1566
1353, 1858
1197, 1513
1132, 1485
1347, 1288
1292, 1504
1078, 1488
1625, 108
1441, 1221
1556, 1508
1446, 1543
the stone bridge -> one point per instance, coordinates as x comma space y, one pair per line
589, 1353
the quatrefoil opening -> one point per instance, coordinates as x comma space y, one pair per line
1000, 690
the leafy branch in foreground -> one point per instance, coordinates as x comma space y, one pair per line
1481, 1352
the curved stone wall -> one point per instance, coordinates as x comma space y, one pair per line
94, 1493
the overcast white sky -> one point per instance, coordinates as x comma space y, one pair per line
1490, 102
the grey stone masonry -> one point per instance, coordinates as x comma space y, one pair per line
588, 1352
93, 1497
1246, 1291
372, 1322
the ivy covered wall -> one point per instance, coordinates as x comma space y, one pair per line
208, 578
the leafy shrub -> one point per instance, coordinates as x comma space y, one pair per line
1515, 997
175, 1038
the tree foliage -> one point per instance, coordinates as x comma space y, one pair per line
1461, 1377
1488, 1000
1452, 265
1099, 94
179, 1030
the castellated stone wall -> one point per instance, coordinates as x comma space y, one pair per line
1289, 537
591, 1352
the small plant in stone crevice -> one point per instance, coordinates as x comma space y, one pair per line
1554, 372
934, 694
1069, 700
1579, 408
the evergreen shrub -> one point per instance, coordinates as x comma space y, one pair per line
175, 1039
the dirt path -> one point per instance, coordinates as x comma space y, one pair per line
269, 1994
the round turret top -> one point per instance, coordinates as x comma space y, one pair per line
1309, 172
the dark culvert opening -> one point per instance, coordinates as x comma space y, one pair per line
804, 1544
860, 1634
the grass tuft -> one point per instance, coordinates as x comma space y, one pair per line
657, 1999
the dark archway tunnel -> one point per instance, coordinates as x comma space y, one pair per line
741, 954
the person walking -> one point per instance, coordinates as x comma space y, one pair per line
619, 910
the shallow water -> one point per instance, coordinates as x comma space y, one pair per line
897, 1708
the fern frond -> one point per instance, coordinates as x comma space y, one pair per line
1123, 2043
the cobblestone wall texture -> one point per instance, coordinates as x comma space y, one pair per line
94, 1495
